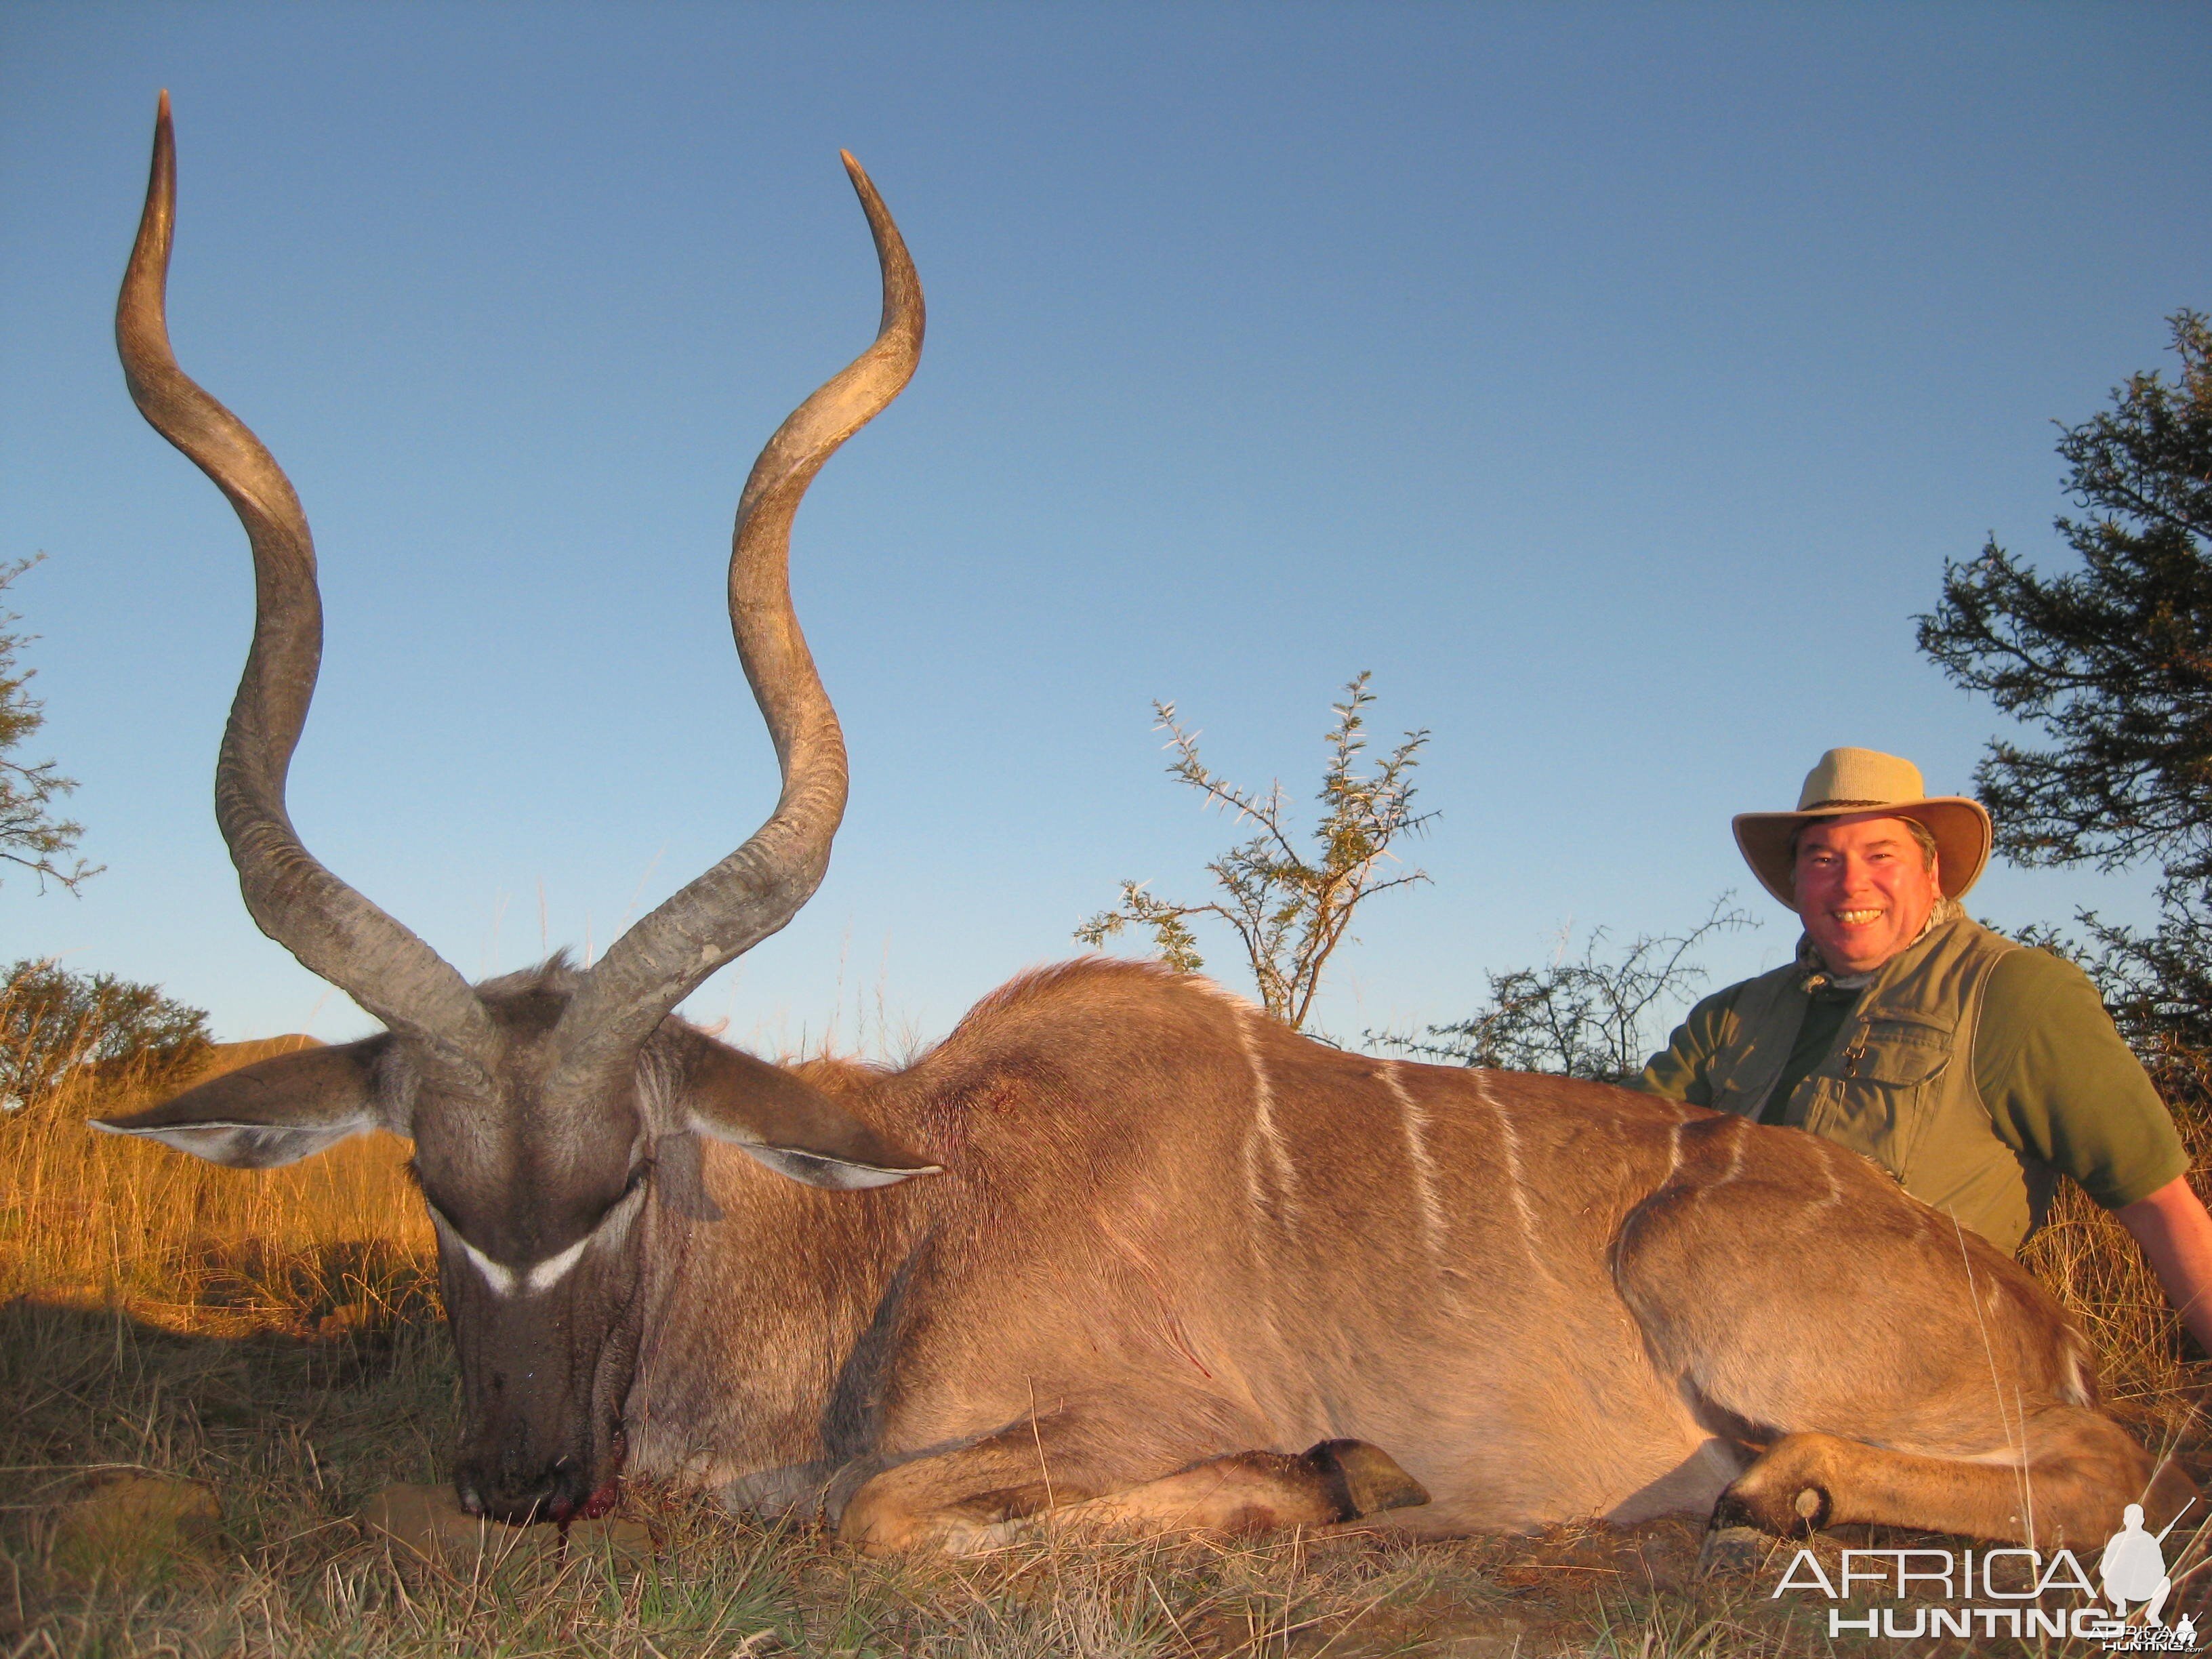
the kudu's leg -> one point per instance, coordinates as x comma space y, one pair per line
2079, 1470
1896, 1369
1060, 1469
1255, 1492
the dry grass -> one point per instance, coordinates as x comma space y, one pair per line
92, 1220
2153, 1374
275, 1338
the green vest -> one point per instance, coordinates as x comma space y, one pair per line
1898, 1084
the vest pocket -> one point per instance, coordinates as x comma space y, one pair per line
1876, 1095
1898, 1053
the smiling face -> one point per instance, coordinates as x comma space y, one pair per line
1864, 888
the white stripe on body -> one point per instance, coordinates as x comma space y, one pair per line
1509, 1141
1257, 1207
1417, 1153
1829, 1154
1736, 1153
1264, 1129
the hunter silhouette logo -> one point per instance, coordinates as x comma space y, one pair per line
2133, 1568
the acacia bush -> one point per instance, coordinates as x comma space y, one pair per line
1599, 1015
1289, 911
31, 836
54, 1023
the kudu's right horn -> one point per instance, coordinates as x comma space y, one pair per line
330, 927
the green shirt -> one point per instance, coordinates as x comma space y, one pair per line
2060, 1085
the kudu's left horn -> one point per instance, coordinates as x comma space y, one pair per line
330, 927
760, 887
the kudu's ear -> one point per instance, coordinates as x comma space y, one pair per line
275, 1111
792, 1128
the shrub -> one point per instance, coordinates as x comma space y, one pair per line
53, 1023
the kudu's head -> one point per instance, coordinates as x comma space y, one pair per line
542, 1104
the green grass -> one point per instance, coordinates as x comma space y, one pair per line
274, 1340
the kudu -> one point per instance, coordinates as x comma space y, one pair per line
1163, 1242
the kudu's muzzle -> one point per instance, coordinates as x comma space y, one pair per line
543, 1383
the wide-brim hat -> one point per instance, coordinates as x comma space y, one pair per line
1848, 782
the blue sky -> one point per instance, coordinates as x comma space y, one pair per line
1612, 382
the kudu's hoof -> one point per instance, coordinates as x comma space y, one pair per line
1368, 1477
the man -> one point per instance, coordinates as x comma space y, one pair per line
1974, 1070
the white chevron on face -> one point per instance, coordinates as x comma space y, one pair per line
539, 1276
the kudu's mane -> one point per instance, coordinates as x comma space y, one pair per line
1019, 1035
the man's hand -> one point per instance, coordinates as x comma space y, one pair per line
2175, 1236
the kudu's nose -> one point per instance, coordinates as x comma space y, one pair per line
554, 1492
